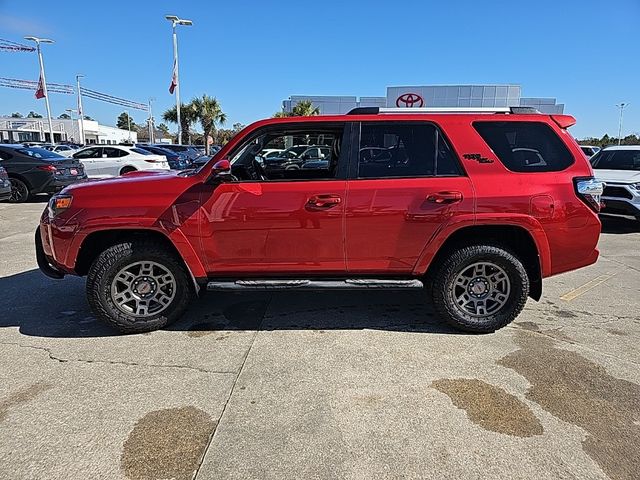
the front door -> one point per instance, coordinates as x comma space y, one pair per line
405, 184
278, 221
89, 158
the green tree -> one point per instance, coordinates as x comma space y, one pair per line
64, 116
208, 112
124, 120
16, 115
305, 108
187, 118
163, 128
33, 114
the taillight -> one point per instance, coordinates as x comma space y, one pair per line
47, 168
590, 191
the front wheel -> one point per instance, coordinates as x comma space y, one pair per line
480, 288
138, 287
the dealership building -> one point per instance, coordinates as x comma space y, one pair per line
18, 130
441, 96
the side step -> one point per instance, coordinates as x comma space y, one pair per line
304, 284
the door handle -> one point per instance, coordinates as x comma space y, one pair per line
445, 197
323, 202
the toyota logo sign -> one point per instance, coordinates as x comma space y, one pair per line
410, 100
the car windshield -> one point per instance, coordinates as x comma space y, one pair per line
617, 160
36, 152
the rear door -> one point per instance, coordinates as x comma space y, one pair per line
405, 183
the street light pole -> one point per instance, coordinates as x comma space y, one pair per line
174, 22
129, 125
71, 112
44, 82
621, 106
151, 129
80, 112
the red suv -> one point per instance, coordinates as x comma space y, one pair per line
476, 207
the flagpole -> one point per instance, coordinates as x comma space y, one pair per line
80, 112
44, 83
177, 21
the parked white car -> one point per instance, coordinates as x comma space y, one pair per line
102, 161
64, 150
589, 150
619, 168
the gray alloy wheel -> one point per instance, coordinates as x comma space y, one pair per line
480, 289
143, 289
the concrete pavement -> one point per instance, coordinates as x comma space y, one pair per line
353, 385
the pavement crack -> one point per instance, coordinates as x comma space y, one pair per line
56, 358
233, 386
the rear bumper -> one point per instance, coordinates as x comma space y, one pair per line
58, 183
5, 192
46, 264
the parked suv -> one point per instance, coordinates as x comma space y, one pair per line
447, 202
619, 168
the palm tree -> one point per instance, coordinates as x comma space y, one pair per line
305, 108
207, 110
187, 118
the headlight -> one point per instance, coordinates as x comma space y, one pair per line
59, 203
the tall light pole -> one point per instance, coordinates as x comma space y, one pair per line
129, 124
71, 112
151, 129
80, 112
44, 81
621, 106
177, 21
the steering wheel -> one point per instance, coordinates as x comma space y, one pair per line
258, 172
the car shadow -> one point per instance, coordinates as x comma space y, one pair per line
619, 225
39, 306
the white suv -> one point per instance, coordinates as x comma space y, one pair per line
619, 168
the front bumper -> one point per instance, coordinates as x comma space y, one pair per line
45, 264
622, 200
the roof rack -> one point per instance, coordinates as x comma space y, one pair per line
377, 110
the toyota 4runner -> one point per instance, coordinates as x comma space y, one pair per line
474, 206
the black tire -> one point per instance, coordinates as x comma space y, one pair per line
443, 288
19, 191
127, 170
111, 261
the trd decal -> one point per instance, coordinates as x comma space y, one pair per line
477, 157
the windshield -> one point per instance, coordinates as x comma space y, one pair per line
36, 152
617, 160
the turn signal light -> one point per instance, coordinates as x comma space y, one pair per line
59, 203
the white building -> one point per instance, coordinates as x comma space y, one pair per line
18, 130
444, 96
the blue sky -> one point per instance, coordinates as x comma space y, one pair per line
253, 54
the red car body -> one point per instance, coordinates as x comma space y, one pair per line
375, 227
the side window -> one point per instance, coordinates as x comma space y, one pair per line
618, 160
302, 153
525, 146
397, 149
4, 155
88, 153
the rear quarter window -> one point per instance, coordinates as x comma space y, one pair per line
526, 146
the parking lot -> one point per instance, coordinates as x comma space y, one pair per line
320, 385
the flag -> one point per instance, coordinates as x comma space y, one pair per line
40, 90
174, 78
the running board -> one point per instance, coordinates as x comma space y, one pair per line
348, 284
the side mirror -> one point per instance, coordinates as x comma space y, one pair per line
221, 166
220, 170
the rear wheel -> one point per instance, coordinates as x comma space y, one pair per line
480, 288
138, 287
19, 191
127, 170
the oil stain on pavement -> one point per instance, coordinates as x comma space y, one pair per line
167, 443
22, 396
491, 407
581, 392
